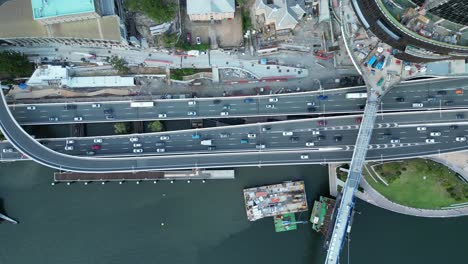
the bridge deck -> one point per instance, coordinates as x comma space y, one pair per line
354, 175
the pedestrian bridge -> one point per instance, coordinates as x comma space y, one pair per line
354, 175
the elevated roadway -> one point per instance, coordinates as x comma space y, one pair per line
226, 155
426, 92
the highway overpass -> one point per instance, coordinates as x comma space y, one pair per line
423, 91
229, 152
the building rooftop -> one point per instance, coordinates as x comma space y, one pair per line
98, 81
16, 21
284, 13
49, 75
277, 199
54, 8
210, 6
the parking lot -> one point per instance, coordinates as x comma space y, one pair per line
227, 33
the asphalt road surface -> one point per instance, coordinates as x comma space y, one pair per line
427, 93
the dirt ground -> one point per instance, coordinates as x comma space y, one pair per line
227, 33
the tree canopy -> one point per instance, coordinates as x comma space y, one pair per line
159, 10
121, 128
156, 126
14, 64
119, 64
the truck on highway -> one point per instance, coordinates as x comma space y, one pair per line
207, 142
141, 104
356, 95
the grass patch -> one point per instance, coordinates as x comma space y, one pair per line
419, 183
178, 74
186, 46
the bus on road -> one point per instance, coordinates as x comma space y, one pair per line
141, 104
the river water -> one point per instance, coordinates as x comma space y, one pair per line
203, 223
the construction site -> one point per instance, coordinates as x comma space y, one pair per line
275, 200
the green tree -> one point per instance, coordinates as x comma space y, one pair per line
121, 128
159, 10
156, 126
169, 40
119, 64
14, 64
2, 137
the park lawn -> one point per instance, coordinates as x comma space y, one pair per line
411, 189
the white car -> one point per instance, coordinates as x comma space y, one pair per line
304, 156
97, 140
137, 145
430, 140
31, 107
287, 133
133, 139
192, 113
435, 134
164, 137
161, 150
137, 150
315, 132
78, 118
273, 100
162, 115
70, 141
8, 150
251, 135
421, 128
272, 106
96, 105
69, 147
460, 139
310, 144
260, 146
192, 102
224, 113
395, 140
418, 105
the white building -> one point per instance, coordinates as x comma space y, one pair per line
58, 76
285, 14
206, 10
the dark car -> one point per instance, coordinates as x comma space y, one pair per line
322, 97
322, 122
294, 139
320, 137
108, 111
311, 109
249, 100
69, 107
448, 103
441, 92
189, 37
460, 116
361, 107
217, 101
453, 127
338, 138
400, 99
358, 120
387, 135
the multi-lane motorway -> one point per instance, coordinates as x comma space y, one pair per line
432, 94
184, 151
